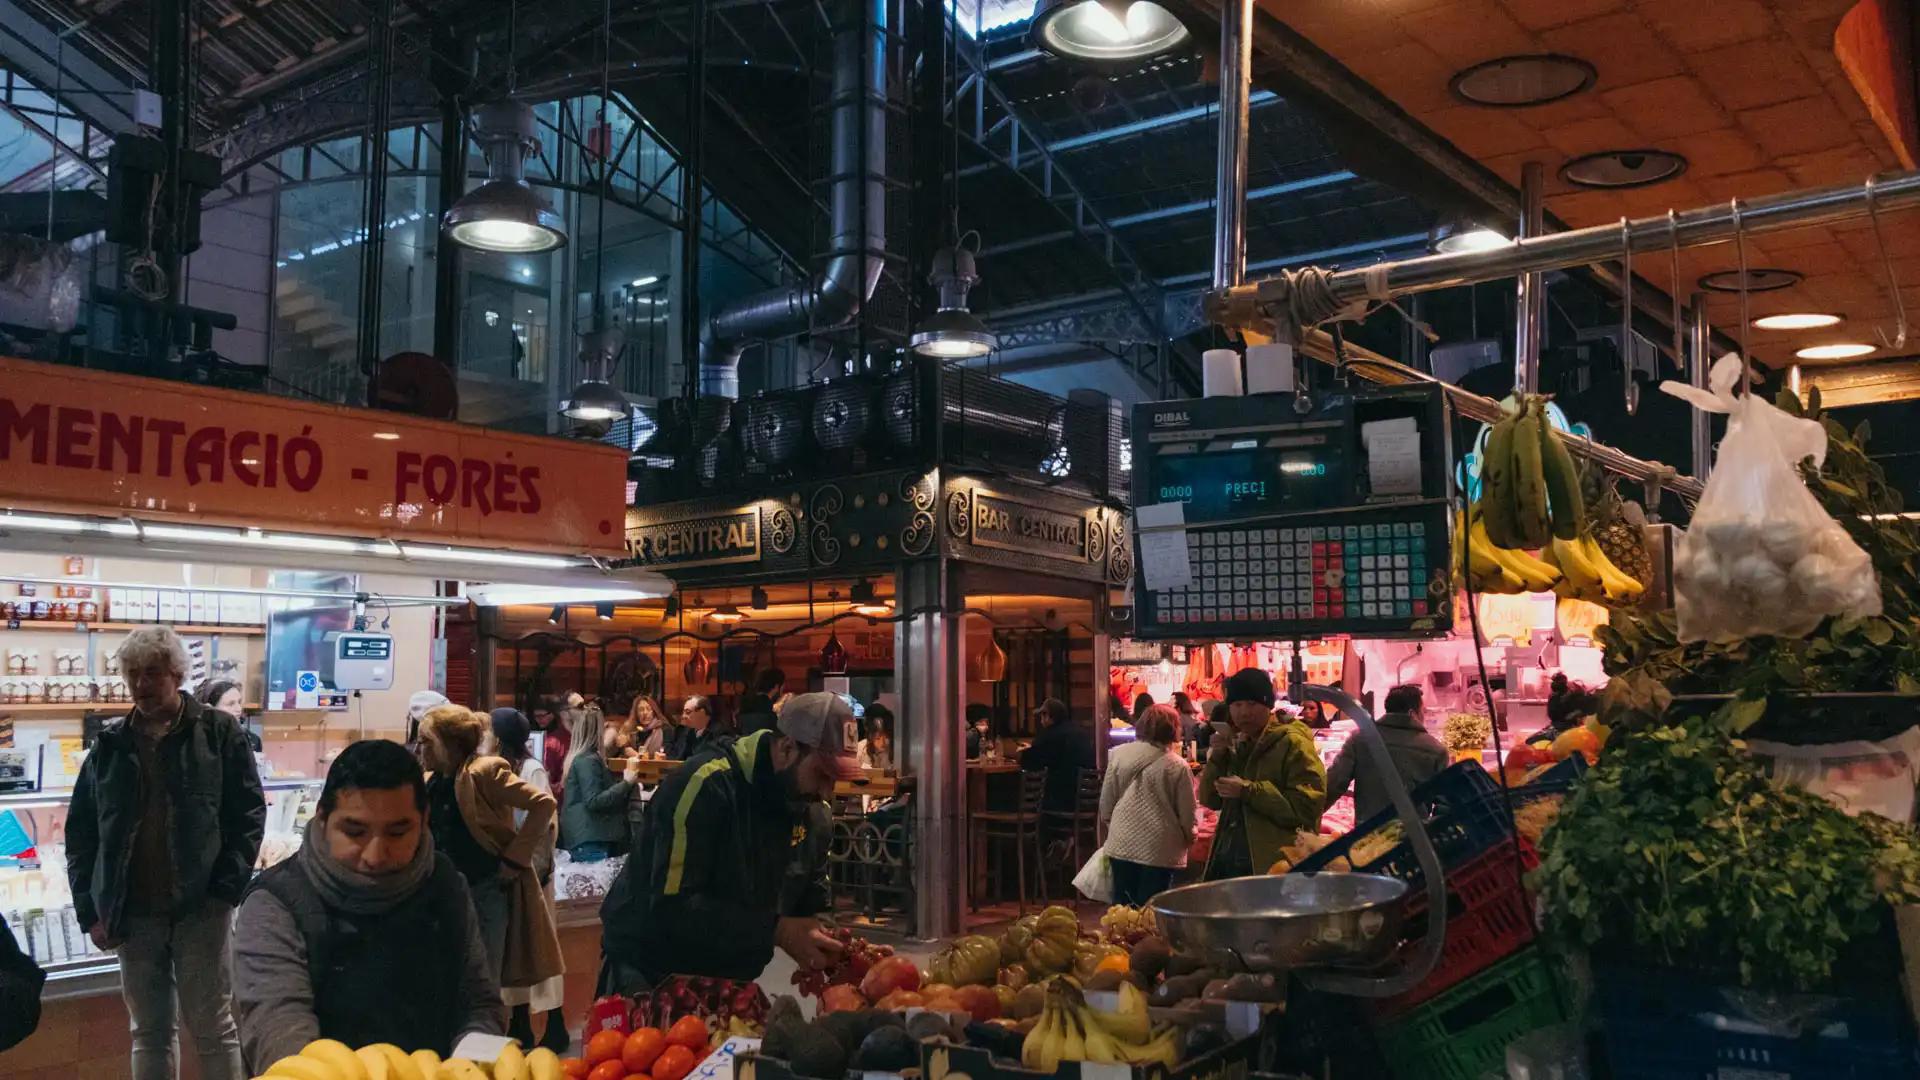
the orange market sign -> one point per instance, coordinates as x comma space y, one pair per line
79, 441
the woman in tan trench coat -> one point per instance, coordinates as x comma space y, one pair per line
471, 799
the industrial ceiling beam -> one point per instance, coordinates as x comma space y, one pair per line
36, 51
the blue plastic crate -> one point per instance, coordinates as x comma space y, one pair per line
1466, 814
1664, 1024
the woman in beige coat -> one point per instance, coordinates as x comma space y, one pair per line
471, 799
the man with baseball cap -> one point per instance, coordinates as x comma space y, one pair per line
723, 872
1267, 772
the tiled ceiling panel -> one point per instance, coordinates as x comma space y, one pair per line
1749, 91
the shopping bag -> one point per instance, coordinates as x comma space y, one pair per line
1761, 556
1095, 879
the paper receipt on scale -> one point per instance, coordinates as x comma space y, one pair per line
1163, 545
1393, 456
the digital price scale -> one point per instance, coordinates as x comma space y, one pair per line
1297, 524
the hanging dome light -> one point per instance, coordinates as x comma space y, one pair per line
504, 214
1106, 31
953, 332
726, 614
865, 602
595, 398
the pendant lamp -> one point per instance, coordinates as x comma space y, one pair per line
991, 664
953, 332
833, 656
504, 214
1106, 31
697, 667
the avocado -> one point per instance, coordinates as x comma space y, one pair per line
846, 1028
1150, 956
872, 1020
1250, 987
784, 1007
818, 1054
888, 1049
1176, 989
780, 1037
928, 1025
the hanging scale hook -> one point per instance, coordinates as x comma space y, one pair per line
1629, 390
1899, 340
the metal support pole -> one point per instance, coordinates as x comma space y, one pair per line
1531, 301
1230, 180
373, 248
1240, 305
1699, 359
173, 63
692, 184
930, 664
449, 81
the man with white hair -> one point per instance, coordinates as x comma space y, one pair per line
162, 832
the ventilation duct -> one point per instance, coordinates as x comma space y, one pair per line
857, 215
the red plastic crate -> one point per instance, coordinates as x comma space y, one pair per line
1489, 917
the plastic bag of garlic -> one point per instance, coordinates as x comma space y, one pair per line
1761, 556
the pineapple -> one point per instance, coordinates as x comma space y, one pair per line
1619, 529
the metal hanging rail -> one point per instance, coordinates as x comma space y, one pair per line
1376, 368
1248, 304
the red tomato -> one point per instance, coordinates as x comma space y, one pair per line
638, 1076
675, 1063
841, 998
608, 1070
575, 1068
642, 1047
688, 1031
893, 973
605, 1046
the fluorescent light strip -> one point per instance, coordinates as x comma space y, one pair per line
53, 523
492, 558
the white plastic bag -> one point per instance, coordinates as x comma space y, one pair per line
1095, 879
1761, 557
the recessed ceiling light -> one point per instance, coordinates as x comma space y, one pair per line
1452, 241
1512, 82
1759, 279
1797, 320
1839, 350
1623, 168
389, 436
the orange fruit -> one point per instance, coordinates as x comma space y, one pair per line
675, 1063
606, 1046
641, 1048
608, 1070
575, 1068
688, 1031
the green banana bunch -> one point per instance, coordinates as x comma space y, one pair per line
1530, 481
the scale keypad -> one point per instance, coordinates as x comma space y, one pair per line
1309, 574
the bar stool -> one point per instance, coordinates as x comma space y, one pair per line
1081, 824
1020, 825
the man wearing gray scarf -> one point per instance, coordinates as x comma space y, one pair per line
366, 936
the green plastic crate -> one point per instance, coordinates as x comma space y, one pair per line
1464, 1032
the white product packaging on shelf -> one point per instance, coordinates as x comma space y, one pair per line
42, 942
149, 605
197, 609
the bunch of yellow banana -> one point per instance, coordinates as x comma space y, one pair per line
1070, 1030
1494, 569
1587, 573
330, 1059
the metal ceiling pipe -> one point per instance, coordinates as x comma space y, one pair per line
857, 214
1699, 362
1531, 300
1230, 170
1578, 247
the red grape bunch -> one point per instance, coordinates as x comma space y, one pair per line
852, 966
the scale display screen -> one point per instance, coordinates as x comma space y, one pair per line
1297, 519
1222, 479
